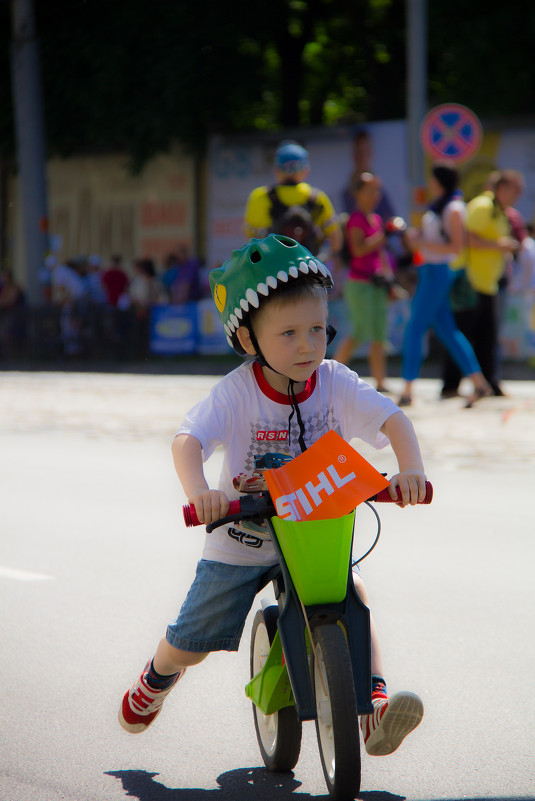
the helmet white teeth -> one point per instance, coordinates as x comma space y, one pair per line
252, 297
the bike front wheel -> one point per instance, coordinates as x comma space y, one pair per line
279, 734
336, 707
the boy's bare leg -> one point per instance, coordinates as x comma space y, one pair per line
377, 661
393, 718
169, 659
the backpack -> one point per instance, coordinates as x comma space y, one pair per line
297, 222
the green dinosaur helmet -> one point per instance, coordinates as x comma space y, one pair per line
256, 269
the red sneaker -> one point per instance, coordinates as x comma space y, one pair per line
393, 719
142, 703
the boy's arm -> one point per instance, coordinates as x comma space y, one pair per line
411, 477
187, 457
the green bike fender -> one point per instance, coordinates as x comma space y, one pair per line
270, 689
318, 554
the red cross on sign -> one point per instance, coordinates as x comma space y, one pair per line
451, 132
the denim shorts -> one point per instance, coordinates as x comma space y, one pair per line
213, 615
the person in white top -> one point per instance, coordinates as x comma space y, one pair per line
440, 241
272, 299
67, 285
70, 295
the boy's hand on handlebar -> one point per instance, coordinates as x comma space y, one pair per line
411, 485
209, 505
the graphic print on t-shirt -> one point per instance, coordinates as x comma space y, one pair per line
268, 436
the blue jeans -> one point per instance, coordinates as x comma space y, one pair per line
431, 308
213, 615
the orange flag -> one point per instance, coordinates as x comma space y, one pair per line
327, 480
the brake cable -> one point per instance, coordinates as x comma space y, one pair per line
376, 540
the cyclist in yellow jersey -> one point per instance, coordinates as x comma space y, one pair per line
291, 192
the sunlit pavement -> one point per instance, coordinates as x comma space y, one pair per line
95, 559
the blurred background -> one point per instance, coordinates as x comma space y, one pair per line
131, 134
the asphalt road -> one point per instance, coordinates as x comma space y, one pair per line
95, 559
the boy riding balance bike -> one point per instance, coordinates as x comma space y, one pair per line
271, 296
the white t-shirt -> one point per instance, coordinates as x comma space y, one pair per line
524, 275
246, 416
66, 279
436, 228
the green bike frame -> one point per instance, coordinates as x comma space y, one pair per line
316, 570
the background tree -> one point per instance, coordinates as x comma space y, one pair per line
135, 76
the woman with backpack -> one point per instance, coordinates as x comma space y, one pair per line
440, 241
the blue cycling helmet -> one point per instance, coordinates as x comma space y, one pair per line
291, 158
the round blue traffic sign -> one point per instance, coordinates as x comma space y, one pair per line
452, 132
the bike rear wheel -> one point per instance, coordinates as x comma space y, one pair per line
279, 734
337, 722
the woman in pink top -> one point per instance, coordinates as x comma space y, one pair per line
366, 290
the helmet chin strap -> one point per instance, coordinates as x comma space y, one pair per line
292, 398
295, 410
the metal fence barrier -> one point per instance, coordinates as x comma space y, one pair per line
92, 333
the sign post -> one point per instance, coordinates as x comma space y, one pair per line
416, 49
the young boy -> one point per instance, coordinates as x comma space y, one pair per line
272, 299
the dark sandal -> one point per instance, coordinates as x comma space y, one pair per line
477, 395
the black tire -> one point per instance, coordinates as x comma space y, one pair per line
337, 723
278, 735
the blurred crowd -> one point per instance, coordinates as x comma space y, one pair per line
90, 280
97, 302
481, 247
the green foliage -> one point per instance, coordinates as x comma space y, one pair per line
136, 76
482, 56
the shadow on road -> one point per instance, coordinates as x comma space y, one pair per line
250, 784
247, 784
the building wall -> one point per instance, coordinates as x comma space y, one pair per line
97, 206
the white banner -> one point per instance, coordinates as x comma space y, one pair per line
237, 165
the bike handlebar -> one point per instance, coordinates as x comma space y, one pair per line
190, 515
384, 496
260, 506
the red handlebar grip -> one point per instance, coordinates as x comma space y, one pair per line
190, 515
384, 496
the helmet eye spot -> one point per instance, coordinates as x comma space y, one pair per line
255, 256
286, 241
